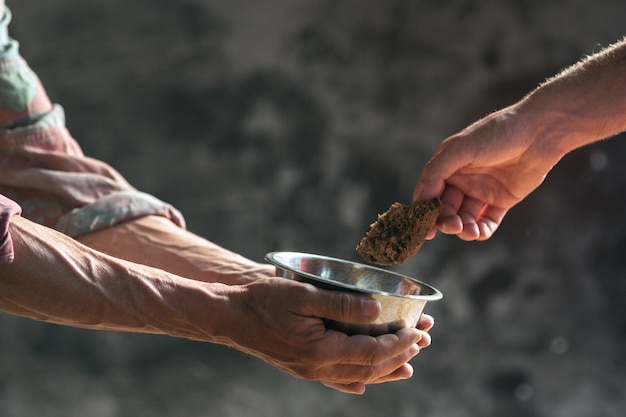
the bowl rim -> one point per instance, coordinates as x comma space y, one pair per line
271, 257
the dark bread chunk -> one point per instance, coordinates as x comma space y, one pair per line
399, 232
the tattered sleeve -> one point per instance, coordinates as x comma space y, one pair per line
8, 208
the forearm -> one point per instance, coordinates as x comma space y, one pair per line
55, 279
583, 104
157, 242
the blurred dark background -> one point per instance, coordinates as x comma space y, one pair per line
289, 125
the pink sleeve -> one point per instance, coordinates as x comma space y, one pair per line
8, 208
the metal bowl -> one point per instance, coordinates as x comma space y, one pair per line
402, 298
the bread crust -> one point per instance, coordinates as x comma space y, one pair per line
398, 233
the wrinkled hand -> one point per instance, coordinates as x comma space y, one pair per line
283, 327
425, 323
482, 172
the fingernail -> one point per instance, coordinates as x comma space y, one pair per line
370, 308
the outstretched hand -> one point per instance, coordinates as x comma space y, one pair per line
286, 330
482, 172
425, 323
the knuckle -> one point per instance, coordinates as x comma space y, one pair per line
340, 306
344, 307
369, 374
307, 374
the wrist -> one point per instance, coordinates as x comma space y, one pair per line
549, 129
203, 311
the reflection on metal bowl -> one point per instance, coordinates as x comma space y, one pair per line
402, 298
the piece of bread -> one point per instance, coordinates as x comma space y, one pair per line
399, 232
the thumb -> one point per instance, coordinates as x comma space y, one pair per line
427, 190
448, 158
431, 184
346, 307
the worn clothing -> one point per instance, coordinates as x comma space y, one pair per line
44, 170
8, 209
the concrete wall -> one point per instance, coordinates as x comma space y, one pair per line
290, 125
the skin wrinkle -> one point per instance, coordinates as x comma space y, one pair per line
88, 275
33, 291
199, 259
77, 278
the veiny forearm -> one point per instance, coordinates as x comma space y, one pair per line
157, 242
56, 279
583, 104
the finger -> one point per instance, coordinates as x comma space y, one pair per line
443, 164
368, 351
428, 188
425, 322
341, 306
403, 372
397, 348
486, 228
489, 220
451, 199
425, 340
450, 225
470, 230
390, 370
449, 221
353, 388
470, 209
469, 212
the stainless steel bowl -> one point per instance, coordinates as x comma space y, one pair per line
402, 298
